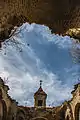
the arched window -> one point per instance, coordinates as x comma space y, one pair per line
67, 118
21, 118
41, 118
77, 112
20, 115
40, 102
3, 110
0, 94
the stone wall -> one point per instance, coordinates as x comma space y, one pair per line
58, 15
9, 106
73, 105
9, 110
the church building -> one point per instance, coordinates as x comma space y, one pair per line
9, 109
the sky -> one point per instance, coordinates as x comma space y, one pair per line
32, 54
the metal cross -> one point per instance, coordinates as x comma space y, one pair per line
40, 83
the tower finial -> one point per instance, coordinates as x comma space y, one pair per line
40, 83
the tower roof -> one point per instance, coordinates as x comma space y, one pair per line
40, 90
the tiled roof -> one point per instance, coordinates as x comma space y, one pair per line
40, 91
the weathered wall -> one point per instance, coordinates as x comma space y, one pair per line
59, 15
9, 106
69, 110
73, 106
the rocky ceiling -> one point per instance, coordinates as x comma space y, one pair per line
60, 15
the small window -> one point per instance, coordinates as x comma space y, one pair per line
39, 102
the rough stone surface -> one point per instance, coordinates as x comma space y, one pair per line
9, 110
59, 15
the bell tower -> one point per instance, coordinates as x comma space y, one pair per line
40, 97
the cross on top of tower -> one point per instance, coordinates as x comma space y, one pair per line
40, 83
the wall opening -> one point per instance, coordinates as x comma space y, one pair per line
21, 118
77, 112
40, 102
67, 118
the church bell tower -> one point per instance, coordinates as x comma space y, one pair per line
40, 97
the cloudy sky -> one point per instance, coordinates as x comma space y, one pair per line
36, 55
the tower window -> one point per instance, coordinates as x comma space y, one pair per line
40, 102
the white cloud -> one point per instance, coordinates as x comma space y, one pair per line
25, 69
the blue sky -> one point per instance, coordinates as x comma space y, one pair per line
47, 58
